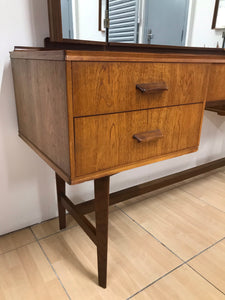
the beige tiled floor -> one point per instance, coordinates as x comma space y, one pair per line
185, 224
169, 245
204, 189
50, 227
15, 240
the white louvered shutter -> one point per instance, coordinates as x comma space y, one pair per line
123, 16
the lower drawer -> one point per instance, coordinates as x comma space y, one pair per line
106, 141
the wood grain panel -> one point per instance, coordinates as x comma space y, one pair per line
111, 87
106, 141
40, 89
216, 86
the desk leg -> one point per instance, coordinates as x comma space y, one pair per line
61, 188
101, 204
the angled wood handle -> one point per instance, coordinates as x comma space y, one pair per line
148, 136
153, 87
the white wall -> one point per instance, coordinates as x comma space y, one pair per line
200, 33
87, 14
27, 187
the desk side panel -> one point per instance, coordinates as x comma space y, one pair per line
41, 100
216, 86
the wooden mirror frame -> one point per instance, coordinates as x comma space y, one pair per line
55, 23
56, 40
215, 15
55, 20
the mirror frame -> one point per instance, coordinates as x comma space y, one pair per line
55, 20
56, 40
215, 16
55, 23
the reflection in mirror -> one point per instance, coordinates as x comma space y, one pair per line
220, 15
80, 19
163, 22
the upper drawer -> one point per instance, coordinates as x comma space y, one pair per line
107, 87
107, 142
216, 86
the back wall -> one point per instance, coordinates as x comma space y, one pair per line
27, 184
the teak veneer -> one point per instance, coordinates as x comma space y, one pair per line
91, 114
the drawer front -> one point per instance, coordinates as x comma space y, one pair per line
216, 86
106, 141
108, 87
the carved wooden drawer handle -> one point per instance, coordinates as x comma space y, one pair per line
153, 87
148, 136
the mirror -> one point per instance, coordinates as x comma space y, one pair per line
83, 19
165, 22
219, 15
156, 22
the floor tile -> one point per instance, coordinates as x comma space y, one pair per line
26, 274
183, 223
210, 188
145, 196
182, 284
211, 264
169, 187
47, 228
15, 239
135, 260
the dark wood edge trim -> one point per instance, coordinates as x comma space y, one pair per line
58, 170
55, 20
167, 48
27, 48
219, 111
215, 14
124, 47
216, 106
215, 103
81, 220
114, 170
99, 15
123, 195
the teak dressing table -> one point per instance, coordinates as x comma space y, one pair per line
91, 114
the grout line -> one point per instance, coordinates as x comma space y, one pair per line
151, 234
57, 232
18, 247
35, 237
57, 276
184, 262
206, 279
205, 250
14, 231
204, 201
153, 282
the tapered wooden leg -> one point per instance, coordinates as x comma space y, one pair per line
61, 188
101, 204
